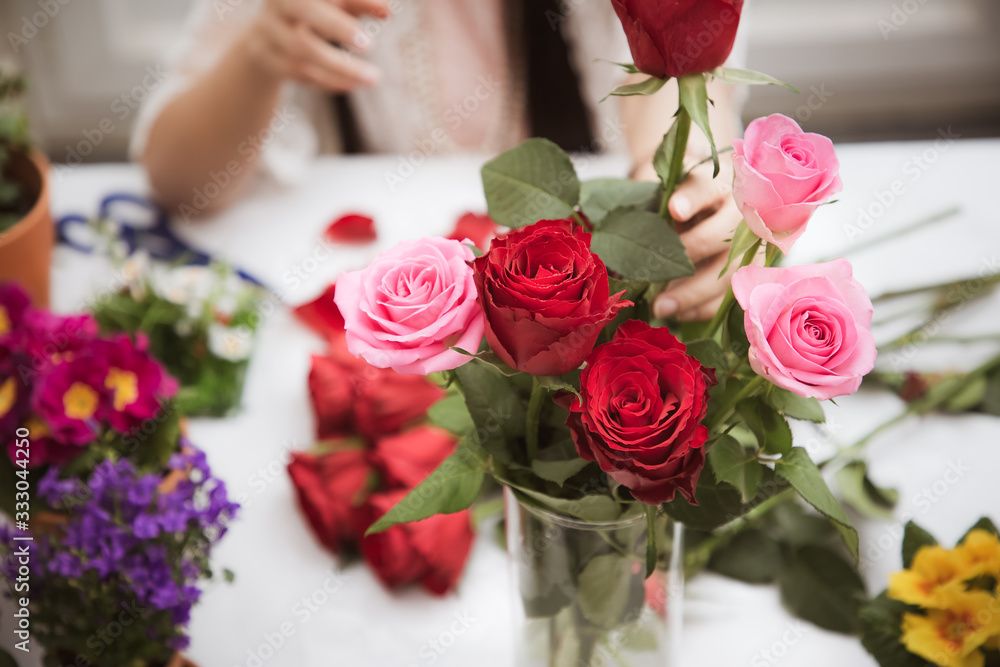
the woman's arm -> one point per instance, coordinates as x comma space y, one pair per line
702, 206
204, 131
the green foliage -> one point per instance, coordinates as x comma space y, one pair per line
694, 100
601, 196
668, 161
751, 556
914, 538
749, 77
734, 464
14, 138
768, 426
743, 240
985, 523
497, 408
880, 621
534, 181
798, 469
644, 87
861, 493
794, 406
821, 587
452, 487
640, 245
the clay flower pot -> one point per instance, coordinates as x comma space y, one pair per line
26, 248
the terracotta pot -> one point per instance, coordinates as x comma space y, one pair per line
26, 248
179, 660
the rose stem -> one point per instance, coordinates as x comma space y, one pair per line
723, 414
728, 299
534, 413
682, 124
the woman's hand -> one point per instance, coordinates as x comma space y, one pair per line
314, 41
706, 217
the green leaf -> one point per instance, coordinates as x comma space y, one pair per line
822, 588
694, 99
983, 524
451, 414
604, 590
880, 621
860, 493
733, 464
799, 470
772, 431
601, 196
792, 405
670, 149
628, 67
749, 77
719, 503
452, 487
991, 399
496, 407
588, 508
491, 358
751, 556
154, 450
708, 352
969, 396
800, 527
640, 245
645, 87
743, 239
915, 538
558, 471
534, 181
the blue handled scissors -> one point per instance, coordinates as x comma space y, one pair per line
141, 225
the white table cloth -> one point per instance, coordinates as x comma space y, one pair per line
292, 606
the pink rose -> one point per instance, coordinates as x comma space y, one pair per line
411, 305
808, 327
782, 175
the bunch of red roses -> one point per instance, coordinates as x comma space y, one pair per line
374, 447
70, 387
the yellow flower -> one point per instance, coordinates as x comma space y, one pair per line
951, 637
4, 321
934, 571
979, 554
8, 394
80, 401
125, 386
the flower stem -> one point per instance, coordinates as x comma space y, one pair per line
681, 130
535, 404
772, 255
723, 414
729, 298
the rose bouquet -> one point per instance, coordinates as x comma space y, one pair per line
943, 608
603, 423
200, 322
114, 512
374, 445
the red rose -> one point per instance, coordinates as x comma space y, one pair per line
352, 228
406, 459
331, 389
322, 314
642, 399
678, 37
432, 552
546, 297
387, 401
331, 489
476, 228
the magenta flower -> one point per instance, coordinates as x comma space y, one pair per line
71, 397
14, 301
136, 382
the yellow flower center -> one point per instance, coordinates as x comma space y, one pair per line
125, 385
80, 401
8, 391
4, 321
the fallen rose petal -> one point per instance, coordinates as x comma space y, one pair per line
321, 314
351, 228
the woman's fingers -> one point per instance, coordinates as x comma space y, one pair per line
336, 62
688, 294
709, 236
377, 8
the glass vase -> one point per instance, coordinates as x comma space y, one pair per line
581, 596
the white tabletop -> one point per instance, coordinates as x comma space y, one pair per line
286, 583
